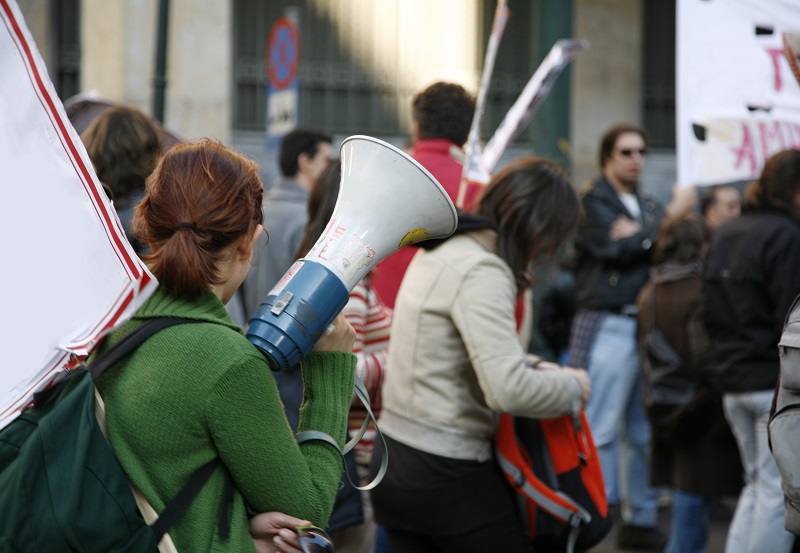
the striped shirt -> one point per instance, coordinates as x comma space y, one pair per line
371, 320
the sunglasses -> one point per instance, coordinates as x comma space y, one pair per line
628, 152
313, 540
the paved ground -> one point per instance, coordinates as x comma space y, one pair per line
718, 530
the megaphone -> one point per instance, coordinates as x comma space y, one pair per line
386, 201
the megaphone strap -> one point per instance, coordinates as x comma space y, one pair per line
360, 391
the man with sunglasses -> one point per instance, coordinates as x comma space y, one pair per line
612, 262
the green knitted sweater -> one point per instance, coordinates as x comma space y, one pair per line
194, 392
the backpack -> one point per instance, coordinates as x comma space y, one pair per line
62, 489
554, 467
784, 419
678, 405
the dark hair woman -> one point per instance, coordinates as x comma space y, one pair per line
321, 202
456, 360
196, 392
124, 145
778, 187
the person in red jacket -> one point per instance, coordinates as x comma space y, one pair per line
442, 118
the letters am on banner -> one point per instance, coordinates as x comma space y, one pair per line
737, 99
69, 274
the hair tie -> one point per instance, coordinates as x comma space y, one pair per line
184, 224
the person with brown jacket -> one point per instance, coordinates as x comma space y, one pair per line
697, 459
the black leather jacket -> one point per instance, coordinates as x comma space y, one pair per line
609, 273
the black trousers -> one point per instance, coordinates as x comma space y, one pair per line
504, 535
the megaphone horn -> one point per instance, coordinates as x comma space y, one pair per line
386, 201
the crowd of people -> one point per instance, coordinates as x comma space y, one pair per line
440, 335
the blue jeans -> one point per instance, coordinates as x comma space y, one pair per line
618, 421
688, 530
757, 525
381, 540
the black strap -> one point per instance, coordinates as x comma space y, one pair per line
126, 345
177, 506
225, 509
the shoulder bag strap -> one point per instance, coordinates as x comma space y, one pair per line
651, 316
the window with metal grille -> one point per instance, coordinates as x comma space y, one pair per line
659, 73
343, 95
67, 52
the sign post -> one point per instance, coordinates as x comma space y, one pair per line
282, 60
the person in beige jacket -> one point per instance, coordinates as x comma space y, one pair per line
456, 360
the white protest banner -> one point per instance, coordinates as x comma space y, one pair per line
70, 275
473, 168
783, 13
737, 102
531, 98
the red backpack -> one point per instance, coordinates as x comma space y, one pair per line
554, 467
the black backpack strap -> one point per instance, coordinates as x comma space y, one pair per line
178, 505
126, 345
225, 508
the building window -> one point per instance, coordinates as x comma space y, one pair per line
659, 73
67, 51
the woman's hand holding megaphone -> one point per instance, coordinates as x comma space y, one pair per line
341, 337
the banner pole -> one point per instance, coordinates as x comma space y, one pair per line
473, 148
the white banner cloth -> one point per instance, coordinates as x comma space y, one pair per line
69, 274
737, 101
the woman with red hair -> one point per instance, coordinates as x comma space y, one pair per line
197, 392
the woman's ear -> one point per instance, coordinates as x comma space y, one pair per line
247, 251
